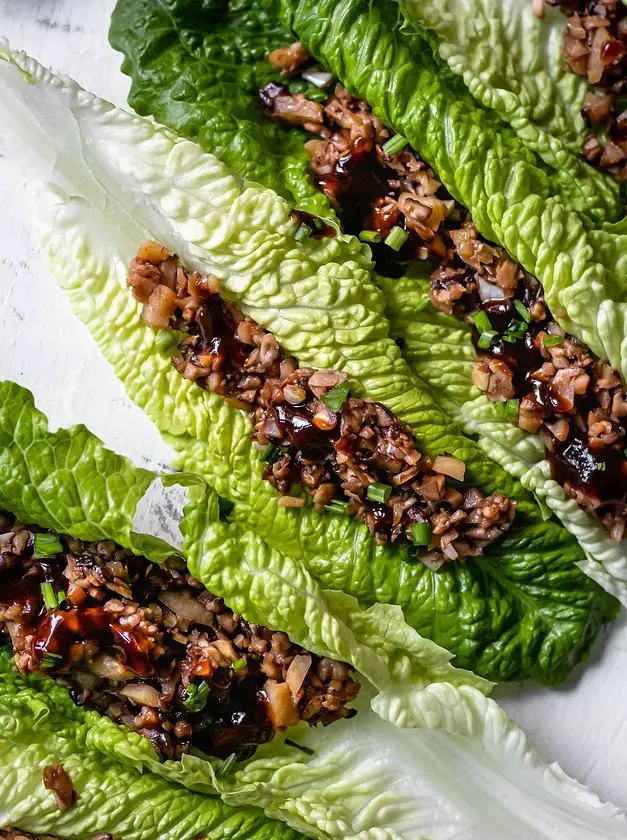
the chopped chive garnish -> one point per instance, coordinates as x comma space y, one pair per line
481, 321
601, 466
303, 232
306, 750
522, 311
239, 664
335, 506
316, 94
225, 768
270, 452
318, 223
396, 238
46, 545
486, 339
51, 599
552, 340
370, 236
196, 696
421, 533
336, 397
511, 408
394, 145
49, 660
298, 86
515, 331
378, 492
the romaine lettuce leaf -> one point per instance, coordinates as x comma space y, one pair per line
362, 778
512, 199
511, 61
438, 347
366, 780
524, 609
39, 725
212, 54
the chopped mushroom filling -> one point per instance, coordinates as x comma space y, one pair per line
595, 46
349, 454
150, 648
548, 382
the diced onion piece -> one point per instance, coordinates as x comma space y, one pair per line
447, 465
142, 695
296, 673
432, 560
187, 608
107, 666
319, 78
281, 708
490, 291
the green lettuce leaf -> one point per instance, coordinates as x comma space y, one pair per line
366, 780
522, 78
199, 67
524, 609
511, 198
438, 347
511, 61
362, 778
39, 725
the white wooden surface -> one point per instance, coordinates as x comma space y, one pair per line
583, 725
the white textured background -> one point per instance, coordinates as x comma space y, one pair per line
583, 725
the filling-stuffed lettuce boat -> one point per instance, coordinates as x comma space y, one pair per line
292, 329
127, 677
475, 201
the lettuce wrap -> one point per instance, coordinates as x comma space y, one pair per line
358, 778
523, 609
505, 147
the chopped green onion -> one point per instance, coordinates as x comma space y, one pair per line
481, 321
225, 768
486, 339
196, 696
394, 145
303, 232
378, 492
298, 86
552, 340
336, 397
522, 311
370, 236
239, 664
515, 331
297, 490
421, 533
316, 94
50, 660
396, 238
306, 750
601, 466
51, 599
46, 545
335, 506
318, 223
511, 408
270, 452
